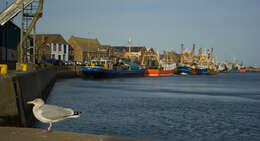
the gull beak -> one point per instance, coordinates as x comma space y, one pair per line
29, 102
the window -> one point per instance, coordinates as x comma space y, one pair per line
65, 49
59, 47
54, 47
31, 51
31, 42
53, 56
59, 57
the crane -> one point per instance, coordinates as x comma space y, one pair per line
31, 12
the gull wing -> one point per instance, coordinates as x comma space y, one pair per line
53, 112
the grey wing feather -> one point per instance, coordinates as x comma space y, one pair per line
54, 112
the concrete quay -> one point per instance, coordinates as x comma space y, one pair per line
33, 134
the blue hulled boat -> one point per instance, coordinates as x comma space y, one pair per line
105, 69
203, 71
184, 70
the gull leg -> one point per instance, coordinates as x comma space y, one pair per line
49, 128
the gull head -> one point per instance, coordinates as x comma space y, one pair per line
37, 101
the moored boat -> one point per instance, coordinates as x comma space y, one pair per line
185, 66
184, 70
154, 67
203, 71
242, 70
212, 72
206, 63
194, 69
106, 69
157, 72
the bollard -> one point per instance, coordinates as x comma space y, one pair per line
24, 67
3, 69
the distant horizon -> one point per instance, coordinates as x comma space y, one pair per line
231, 28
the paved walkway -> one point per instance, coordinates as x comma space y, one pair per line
33, 134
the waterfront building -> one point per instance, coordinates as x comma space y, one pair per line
51, 46
86, 49
9, 40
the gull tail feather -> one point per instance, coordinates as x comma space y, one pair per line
75, 114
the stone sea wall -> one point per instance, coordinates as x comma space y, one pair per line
19, 87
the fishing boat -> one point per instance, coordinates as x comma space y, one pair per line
242, 70
194, 69
106, 69
203, 65
203, 71
154, 66
157, 72
206, 65
212, 71
184, 69
186, 61
222, 68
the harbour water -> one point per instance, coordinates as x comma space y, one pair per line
220, 107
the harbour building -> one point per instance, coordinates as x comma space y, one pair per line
9, 40
51, 46
86, 49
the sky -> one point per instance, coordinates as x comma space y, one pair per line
231, 27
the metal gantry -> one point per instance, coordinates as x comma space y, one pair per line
13, 10
30, 15
31, 11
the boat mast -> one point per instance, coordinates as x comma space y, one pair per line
167, 58
182, 55
129, 41
192, 54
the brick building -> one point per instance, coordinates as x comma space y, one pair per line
87, 49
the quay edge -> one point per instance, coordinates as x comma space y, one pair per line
33, 134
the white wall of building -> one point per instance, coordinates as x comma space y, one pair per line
58, 50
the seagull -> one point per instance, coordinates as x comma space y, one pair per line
51, 113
